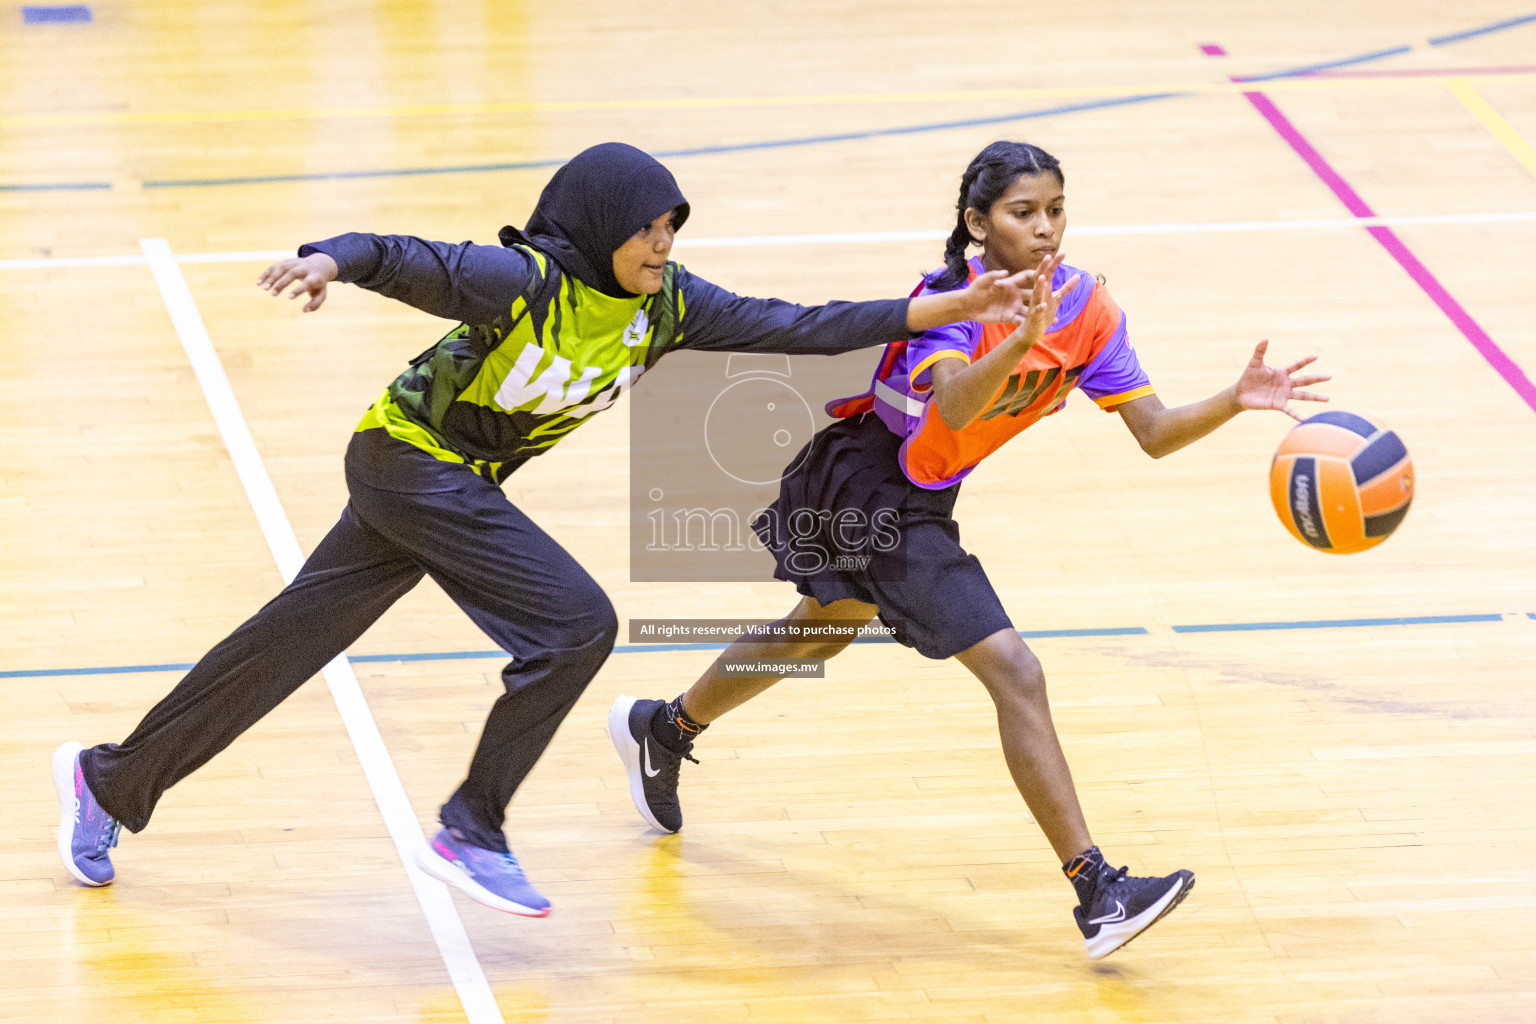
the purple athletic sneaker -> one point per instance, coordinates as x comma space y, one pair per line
86, 830
494, 879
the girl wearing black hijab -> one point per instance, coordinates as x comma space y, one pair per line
554, 325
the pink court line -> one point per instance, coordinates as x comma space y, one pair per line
1485, 345
1521, 69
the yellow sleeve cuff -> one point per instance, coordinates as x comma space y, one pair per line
1109, 402
943, 353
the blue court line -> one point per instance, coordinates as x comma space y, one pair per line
813, 140
430, 656
1310, 68
932, 126
1412, 620
1046, 634
666, 154
110, 670
1498, 26
55, 14
1036, 634
57, 186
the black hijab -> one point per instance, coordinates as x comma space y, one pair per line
593, 205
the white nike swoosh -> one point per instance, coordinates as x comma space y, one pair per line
1118, 915
653, 772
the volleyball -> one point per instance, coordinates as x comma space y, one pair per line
1341, 482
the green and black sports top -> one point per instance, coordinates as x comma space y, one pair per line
538, 351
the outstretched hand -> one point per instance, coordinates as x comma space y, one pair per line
1269, 387
998, 298
308, 274
1040, 310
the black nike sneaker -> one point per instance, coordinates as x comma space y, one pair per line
1123, 907
652, 767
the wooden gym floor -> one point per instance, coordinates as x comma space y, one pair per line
1351, 783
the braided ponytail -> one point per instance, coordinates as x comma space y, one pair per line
990, 174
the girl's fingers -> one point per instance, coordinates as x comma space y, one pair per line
1071, 284
1307, 396
1258, 353
1298, 364
304, 280
1305, 382
279, 274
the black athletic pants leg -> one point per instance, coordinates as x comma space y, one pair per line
409, 515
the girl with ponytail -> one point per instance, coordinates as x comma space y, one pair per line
990, 174
863, 525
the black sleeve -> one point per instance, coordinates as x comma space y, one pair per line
467, 282
721, 321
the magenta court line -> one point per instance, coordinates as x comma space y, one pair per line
1486, 346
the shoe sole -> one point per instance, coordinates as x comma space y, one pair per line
629, 753
1110, 938
64, 787
441, 870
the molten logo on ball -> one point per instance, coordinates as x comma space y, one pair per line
1301, 504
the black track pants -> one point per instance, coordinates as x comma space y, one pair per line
409, 515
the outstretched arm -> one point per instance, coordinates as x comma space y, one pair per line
468, 282
721, 321
1160, 430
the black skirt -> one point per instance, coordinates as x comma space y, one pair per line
848, 524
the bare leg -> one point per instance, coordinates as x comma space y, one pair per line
1012, 675
633, 725
716, 693
1004, 664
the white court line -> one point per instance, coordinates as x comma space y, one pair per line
442, 917
1121, 230
868, 237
